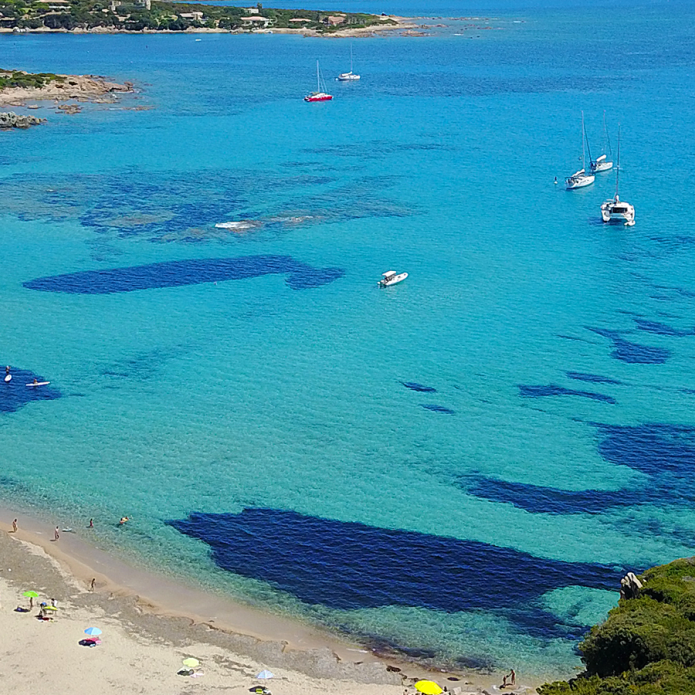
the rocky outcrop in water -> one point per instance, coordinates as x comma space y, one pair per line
9, 119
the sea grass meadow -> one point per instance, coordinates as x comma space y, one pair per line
459, 468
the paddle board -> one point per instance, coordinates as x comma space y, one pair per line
8, 378
40, 383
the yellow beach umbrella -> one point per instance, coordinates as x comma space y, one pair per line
428, 687
191, 662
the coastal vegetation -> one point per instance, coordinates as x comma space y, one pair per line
647, 644
147, 15
17, 78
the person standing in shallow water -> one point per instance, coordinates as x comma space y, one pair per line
14, 526
56, 534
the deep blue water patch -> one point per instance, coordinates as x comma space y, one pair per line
593, 378
348, 565
662, 329
658, 450
189, 272
437, 408
548, 500
16, 393
554, 390
413, 386
633, 353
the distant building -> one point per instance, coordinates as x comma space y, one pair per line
335, 19
256, 21
253, 10
147, 4
194, 16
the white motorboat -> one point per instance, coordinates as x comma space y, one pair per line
617, 210
348, 76
391, 277
580, 178
602, 163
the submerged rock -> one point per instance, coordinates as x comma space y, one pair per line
9, 119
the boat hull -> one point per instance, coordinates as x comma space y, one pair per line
620, 213
318, 97
348, 77
602, 166
575, 182
393, 281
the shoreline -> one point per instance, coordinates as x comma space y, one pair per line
79, 88
192, 613
401, 24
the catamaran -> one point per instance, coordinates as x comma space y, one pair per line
348, 76
602, 163
318, 95
617, 210
580, 178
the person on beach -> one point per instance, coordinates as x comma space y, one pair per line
91, 523
14, 526
92, 583
56, 534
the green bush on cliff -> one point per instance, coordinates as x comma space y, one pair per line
647, 644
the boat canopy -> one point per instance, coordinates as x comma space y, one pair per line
601, 158
389, 274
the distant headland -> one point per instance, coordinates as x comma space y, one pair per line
148, 16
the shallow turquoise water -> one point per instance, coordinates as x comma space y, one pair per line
255, 394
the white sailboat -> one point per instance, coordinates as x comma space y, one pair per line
580, 178
602, 163
319, 94
348, 76
617, 210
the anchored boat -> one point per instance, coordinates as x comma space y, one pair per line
391, 277
319, 94
617, 210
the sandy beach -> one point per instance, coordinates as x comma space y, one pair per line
144, 642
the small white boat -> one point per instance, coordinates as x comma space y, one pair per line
602, 163
348, 76
38, 383
580, 178
617, 210
8, 378
391, 277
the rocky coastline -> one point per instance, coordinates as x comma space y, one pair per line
79, 88
10, 119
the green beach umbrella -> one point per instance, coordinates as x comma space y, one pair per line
191, 662
30, 594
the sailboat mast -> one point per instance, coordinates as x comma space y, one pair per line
318, 82
583, 144
606, 136
350, 57
617, 169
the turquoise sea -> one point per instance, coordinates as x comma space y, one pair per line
459, 468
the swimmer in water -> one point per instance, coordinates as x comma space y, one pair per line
123, 520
